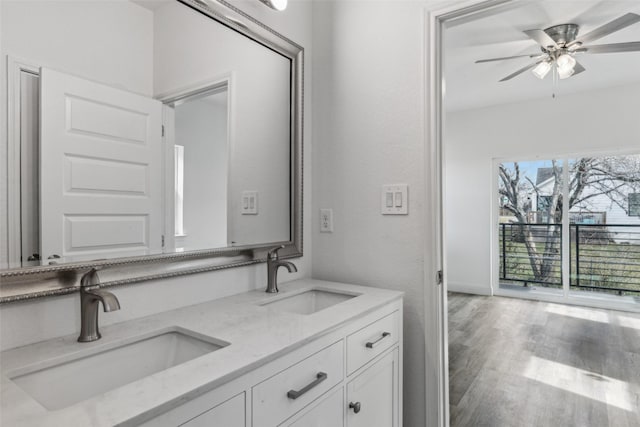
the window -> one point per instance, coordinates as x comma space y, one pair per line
570, 230
179, 189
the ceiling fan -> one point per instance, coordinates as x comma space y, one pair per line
561, 43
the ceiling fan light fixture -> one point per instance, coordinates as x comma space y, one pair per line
565, 63
564, 73
541, 70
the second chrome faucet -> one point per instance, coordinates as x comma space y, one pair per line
273, 263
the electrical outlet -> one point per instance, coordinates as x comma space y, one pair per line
326, 220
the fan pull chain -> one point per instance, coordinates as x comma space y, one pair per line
554, 81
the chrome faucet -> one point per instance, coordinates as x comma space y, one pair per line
273, 263
90, 297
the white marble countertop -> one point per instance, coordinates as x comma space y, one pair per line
257, 334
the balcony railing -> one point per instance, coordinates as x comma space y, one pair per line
602, 258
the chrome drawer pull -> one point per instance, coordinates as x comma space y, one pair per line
376, 342
294, 394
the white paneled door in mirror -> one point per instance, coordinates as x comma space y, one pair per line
101, 169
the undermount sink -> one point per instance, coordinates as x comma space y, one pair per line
73, 381
309, 302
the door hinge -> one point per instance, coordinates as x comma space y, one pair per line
163, 240
162, 130
439, 277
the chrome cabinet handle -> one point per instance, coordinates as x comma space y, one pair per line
372, 344
355, 406
294, 394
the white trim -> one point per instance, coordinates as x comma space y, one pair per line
565, 249
574, 299
469, 289
435, 297
178, 199
15, 66
568, 154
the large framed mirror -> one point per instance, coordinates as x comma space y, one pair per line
147, 139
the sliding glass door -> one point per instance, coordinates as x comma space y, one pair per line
570, 226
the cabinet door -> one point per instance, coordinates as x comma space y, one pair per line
374, 394
328, 412
228, 414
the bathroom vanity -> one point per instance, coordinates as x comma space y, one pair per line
315, 354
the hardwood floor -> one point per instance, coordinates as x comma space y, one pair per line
521, 363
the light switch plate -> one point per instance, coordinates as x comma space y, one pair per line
249, 203
395, 200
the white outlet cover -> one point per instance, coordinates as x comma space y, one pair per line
395, 199
326, 220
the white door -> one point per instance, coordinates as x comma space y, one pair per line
101, 161
372, 397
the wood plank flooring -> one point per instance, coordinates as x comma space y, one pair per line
523, 363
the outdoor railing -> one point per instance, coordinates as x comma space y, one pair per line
515, 260
603, 258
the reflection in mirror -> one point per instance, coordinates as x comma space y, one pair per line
171, 134
201, 152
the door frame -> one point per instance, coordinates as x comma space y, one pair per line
15, 67
170, 99
435, 295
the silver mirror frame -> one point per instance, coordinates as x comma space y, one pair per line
20, 284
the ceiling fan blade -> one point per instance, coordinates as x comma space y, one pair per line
611, 48
541, 38
520, 71
480, 61
578, 68
608, 28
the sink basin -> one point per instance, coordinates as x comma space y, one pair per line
73, 381
309, 302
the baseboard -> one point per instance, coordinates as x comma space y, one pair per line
468, 289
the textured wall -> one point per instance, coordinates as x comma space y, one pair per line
368, 131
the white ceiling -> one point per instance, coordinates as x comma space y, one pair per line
152, 5
469, 85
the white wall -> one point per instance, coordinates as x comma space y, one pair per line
604, 121
259, 98
368, 131
23, 323
116, 49
201, 127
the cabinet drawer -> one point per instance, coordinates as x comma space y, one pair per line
284, 394
327, 413
372, 340
228, 414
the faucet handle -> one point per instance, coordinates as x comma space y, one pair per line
90, 278
273, 252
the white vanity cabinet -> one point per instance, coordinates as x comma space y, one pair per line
349, 377
374, 394
228, 414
